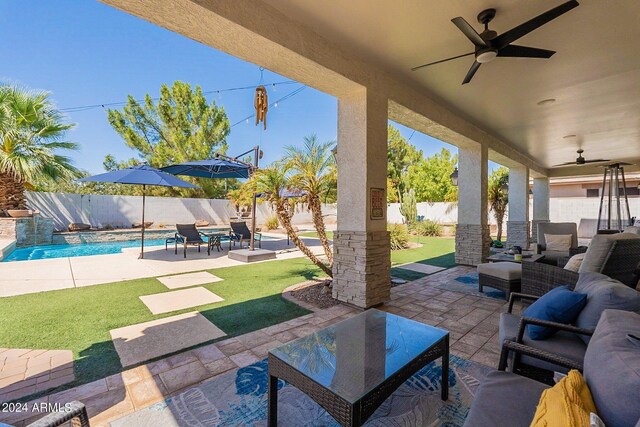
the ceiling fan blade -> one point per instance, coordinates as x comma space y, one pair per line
565, 164
597, 161
471, 72
469, 31
440, 61
515, 51
515, 33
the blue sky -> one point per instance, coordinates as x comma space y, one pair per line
86, 53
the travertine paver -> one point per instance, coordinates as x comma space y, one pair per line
167, 302
187, 280
144, 341
27, 371
421, 268
473, 335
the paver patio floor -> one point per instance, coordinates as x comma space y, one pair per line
472, 322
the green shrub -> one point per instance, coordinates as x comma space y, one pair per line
399, 235
271, 223
427, 228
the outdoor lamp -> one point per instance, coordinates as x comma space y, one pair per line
454, 177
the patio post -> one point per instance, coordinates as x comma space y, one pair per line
472, 231
518, 221
540, 205
361, 247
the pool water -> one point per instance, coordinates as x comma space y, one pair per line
84, 249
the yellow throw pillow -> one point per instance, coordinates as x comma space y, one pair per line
566, 404
557, 242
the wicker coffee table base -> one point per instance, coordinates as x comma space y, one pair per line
344, 412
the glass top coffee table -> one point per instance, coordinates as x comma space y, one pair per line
505, 257
351, 367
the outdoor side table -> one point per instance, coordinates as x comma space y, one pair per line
214, 241
350, 368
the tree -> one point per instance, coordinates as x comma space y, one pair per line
431, 178
32, 133
181, 126
272, 181
400, 155
498, 198
313, 171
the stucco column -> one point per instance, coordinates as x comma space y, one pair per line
540, 205
518, 221
362, 252
472, 231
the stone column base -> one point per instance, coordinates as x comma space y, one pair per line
362, 267
534, 228
472, 244
518, 234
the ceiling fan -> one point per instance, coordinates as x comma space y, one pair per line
489, 45
581, 160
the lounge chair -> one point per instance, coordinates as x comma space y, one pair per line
188, 234
240, 232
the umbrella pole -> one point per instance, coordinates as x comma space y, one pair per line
144, 193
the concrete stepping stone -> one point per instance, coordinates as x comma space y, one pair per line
179, 300
148, 340
186, 280
421, 268
27, 371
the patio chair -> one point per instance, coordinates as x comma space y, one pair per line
188, 234
75, 414
240, 232
614, 255
555, 229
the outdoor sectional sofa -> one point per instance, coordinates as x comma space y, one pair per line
611, 371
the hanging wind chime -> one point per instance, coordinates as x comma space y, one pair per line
261, 105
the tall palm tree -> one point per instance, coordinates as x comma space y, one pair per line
498, 198
313, 171
272, 182
31, 133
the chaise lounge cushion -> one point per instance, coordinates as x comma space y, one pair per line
612, 368
603, 293
564, 343
505, 400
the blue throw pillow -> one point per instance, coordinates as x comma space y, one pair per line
560, 305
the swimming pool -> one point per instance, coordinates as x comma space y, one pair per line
82, 249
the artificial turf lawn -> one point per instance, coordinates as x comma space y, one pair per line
80, 319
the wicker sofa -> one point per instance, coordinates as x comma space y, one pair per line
611, 370
614, 255
570, 342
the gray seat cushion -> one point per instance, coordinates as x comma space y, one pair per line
632, 229
599, 250
501, 270
505, 399
563, 343
612, 368
603, 293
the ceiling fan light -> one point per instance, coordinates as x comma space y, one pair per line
487, 55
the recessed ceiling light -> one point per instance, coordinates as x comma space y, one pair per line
547, 101
570, 136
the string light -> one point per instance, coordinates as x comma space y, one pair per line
217, 92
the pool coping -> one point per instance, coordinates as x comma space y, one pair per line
6, 247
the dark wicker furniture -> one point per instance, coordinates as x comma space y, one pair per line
75, 415
188, 234
539, 278
507, 286
350, 368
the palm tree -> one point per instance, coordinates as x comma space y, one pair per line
272, 182
498, 198
31, 132
313, 171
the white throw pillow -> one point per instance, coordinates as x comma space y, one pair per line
557, 242
574, 262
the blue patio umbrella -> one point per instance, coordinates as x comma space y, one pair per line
140, 175
211, 168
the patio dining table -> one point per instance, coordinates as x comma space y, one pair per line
352, 367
